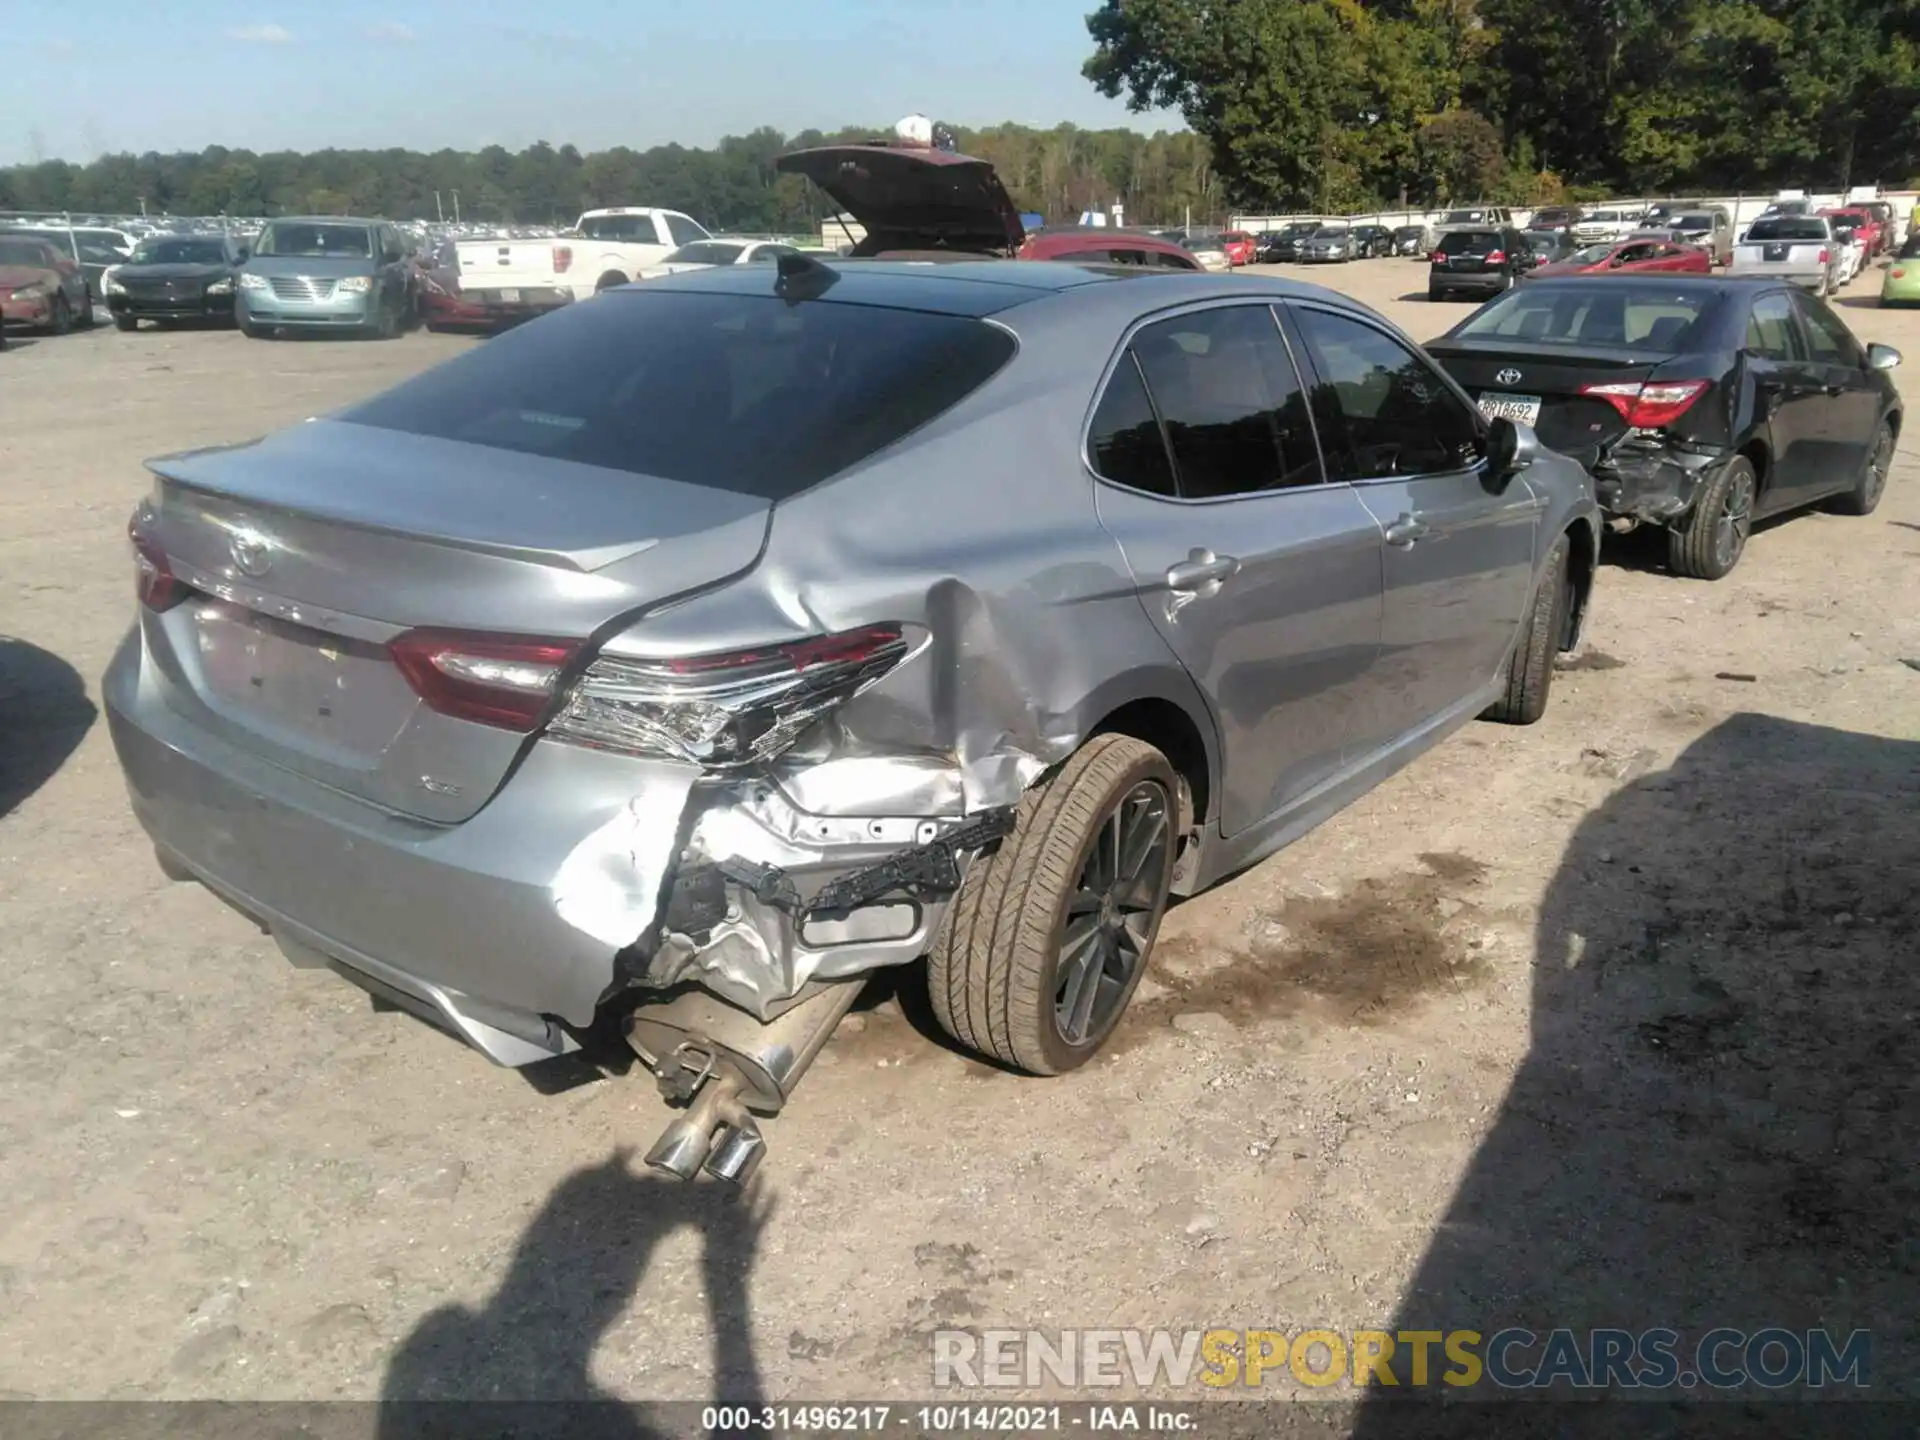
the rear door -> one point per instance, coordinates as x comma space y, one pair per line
1261, 574
1849, 417
1458, 548
1791, 394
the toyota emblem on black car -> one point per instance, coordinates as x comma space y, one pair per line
1509, 376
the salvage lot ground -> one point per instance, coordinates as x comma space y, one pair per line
1605, 1022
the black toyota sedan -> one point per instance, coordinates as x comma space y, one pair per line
1699, 403
174, 277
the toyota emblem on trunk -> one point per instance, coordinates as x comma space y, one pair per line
252, 553
1509, 376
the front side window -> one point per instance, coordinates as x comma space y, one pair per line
1770, 332
1235, 414
1828, 339
1398, 416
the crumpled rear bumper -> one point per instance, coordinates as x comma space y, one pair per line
1644, 477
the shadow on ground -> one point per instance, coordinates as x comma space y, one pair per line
44, 715
527, 1355
1717, 1122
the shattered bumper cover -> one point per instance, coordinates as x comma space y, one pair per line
589, 874
1643, 476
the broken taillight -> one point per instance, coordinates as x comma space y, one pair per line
153, 578
1652, 404
726, 710
562, 259
508, 681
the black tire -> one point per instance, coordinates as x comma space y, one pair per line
1435, 296
126, 322
1529, 674
1864, 497
998, 973
62, 319
255, 332
1709, 540
614, 278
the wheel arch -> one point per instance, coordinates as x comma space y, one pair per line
1583, 563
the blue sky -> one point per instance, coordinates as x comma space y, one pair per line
118, 75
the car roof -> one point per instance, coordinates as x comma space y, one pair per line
979, 288
322, 220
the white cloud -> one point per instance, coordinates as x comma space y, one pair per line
392, 30
262, 35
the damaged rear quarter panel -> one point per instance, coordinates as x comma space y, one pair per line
978, 533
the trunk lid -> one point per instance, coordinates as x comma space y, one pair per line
1568, 422
309, 551
912, 198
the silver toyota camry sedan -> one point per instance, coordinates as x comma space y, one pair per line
675, 661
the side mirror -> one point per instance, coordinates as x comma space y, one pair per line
1882, 357
1511, 448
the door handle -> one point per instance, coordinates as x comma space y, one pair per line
1200, 569
1407, 529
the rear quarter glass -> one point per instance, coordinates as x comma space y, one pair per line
739, 392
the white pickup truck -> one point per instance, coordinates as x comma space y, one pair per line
607, 248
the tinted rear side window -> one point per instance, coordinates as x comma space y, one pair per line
739, 392
1126, 444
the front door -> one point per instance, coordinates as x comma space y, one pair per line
1790, 396
1458, 547
1848, 410
1263, 577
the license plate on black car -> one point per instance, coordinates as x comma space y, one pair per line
509, 297
1521, 409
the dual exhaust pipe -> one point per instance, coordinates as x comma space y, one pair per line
727, 1067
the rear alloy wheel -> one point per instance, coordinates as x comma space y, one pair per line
1529, 673
1709, 541
1864, 498
1049, 936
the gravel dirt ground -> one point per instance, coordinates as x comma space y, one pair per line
1609, 1021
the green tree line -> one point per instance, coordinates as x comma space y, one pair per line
1346, 103
732, 186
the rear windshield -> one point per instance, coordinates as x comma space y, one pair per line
618, 227
1463, 217
706, 252
1787, 228
1469, 242
1692, 223
742, 392
1612, 312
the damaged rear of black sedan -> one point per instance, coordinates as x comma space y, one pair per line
1700, 404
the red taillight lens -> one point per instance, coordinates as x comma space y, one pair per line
726, 710
1652, 405
1497, 257
1439, 257
508, 681
153, 578
562, 259
1823, 257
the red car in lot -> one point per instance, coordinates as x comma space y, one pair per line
1632, 257
442, 306
1097, 245
1241, 248
40, 288
1867, 229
